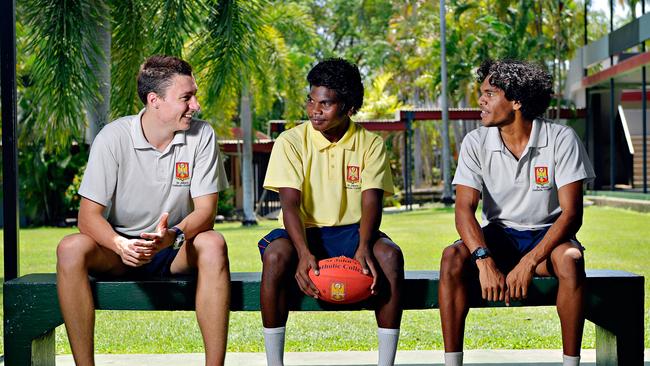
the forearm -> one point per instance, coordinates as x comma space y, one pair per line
98, 228
469, 229
201, 218
198, 221
371, 211
290, 200
296, 229
562, 230
566, 225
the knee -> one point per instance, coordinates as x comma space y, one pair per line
274, 259
211, 248
390, 258
570, 266
452, 262
71, 254
276, 262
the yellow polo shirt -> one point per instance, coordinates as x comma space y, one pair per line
330, 175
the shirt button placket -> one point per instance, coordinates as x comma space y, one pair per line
160, 168
330, 162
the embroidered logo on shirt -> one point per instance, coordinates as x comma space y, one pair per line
541, 178
352, 177
182, 173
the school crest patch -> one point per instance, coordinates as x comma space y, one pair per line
182, 173
353, 177
541, 178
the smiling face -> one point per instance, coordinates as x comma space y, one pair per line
178, 104
326, 113
496, 110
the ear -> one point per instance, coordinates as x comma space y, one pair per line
516, 105
350, 112
153, 100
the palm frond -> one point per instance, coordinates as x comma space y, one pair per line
227, 50
62, 40
175, 21
128, 50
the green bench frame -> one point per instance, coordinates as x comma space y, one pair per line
614, 303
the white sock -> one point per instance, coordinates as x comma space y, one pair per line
453, 358
570, 360
274, 346
387, 345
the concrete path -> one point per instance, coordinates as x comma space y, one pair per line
404, 358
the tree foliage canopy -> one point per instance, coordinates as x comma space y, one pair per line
264, 48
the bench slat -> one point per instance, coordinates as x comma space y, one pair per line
614, 302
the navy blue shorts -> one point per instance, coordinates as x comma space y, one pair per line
509, 245
325, 242
160, 265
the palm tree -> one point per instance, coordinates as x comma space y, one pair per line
247, 61
61, 71
85, 53
241, 49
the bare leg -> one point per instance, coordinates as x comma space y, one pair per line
391, 262
279, 266
567, 263
209, 254
452, 295
76, 255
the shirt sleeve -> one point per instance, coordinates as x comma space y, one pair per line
572, 162
468, 171
376, 173
209, 174
285, 169
100, 177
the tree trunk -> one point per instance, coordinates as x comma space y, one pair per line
246, 119
99, 109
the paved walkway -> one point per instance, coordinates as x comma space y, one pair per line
404, 358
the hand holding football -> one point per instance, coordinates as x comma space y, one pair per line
341, 281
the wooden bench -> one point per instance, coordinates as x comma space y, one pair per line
31, 310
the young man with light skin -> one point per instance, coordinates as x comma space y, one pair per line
332, 175
530, 174
149, 199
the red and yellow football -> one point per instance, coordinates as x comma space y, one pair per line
341, 281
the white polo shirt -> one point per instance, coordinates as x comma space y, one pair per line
136, 183
522, 194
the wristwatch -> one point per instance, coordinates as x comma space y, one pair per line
481, 253
180, 238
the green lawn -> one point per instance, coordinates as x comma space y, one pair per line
615, 239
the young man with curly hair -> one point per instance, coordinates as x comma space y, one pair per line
332, 175
530, 174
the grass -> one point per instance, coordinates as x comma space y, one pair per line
615, 239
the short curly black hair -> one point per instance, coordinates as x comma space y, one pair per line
341, 76
525, 82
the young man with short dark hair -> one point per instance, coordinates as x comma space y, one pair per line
149, 199
332, 175
530, 174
